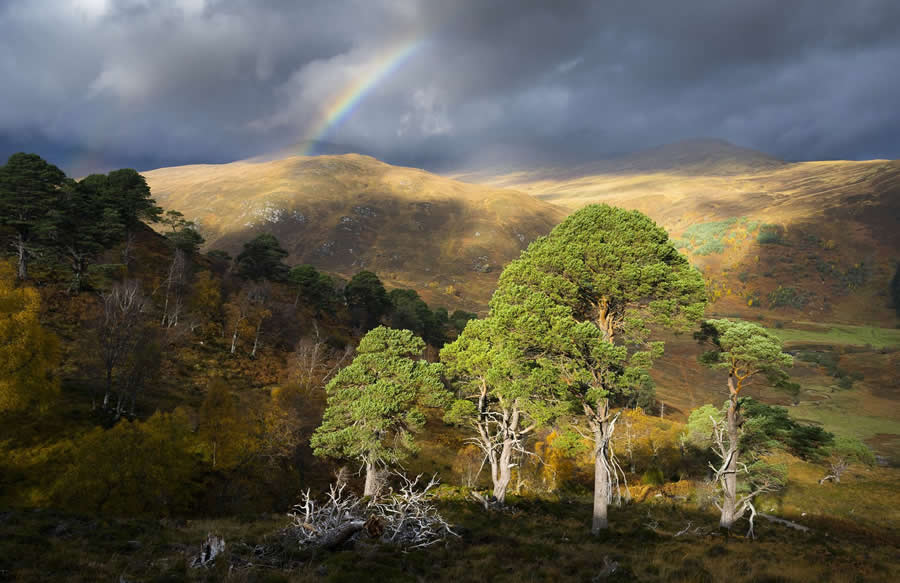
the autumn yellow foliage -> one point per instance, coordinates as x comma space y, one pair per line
29, 355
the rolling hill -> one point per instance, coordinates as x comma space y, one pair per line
345, 213
807, 248
825, 231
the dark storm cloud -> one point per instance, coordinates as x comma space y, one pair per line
100, 83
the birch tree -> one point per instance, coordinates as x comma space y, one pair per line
120, 329
29, 355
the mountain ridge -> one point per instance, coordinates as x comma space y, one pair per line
344, 213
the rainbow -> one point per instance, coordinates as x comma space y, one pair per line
353, 93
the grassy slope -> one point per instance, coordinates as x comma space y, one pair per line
839, 220
837, 252
347, 213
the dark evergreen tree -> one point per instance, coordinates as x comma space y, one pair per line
29, 191
262, 258
316, 288
410, 312
85, 224
128, 193
367, 299
459, 319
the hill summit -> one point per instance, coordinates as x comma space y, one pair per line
346, 213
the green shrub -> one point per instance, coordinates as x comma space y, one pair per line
653, 477
710, 247
706, 238
770, 235
787, 297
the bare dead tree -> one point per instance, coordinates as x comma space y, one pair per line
837, 466
314, 361
119, 328
330, 523
211, 548
174, 289
410, 518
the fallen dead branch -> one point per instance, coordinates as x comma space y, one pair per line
406, 517
784, 522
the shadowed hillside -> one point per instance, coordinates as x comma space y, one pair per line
347, 213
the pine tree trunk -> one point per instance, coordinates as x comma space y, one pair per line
504, 472
371, 480
729, 498
600, 520
77, 272
126, 249
22, 258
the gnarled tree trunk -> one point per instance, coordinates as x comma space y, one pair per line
21, 258
729, 477
371, 487
504, 471
600, 520
602, 425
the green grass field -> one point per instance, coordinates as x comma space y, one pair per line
840, 334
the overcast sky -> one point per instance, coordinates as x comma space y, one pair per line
95, 84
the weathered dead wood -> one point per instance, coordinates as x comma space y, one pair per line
784, 522
209, 550
406, 517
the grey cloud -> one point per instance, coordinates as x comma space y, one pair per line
179, 81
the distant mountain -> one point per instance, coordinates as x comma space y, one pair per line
700, 156
345, 213
696, 157
753, 223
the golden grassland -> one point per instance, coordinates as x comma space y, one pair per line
445, 238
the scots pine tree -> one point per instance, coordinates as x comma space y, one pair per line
377, 402
746, 351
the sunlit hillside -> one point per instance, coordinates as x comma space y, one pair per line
824, 231
807, 248
448, 239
